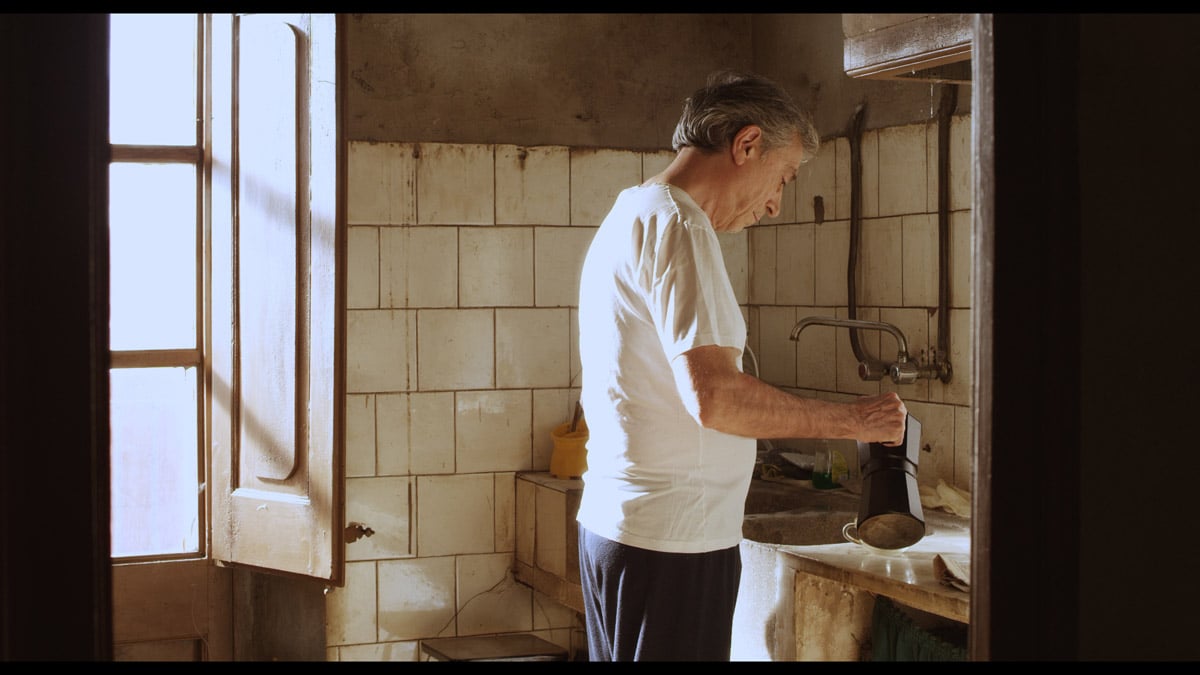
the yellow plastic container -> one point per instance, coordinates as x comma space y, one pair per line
569, 459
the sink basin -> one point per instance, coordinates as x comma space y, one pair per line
801, 527
796, 514
780, 514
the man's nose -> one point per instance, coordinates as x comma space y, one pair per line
772, 207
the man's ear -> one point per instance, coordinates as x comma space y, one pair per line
747, 142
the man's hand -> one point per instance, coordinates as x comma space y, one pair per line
881, 419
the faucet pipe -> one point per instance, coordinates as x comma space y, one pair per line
902, 371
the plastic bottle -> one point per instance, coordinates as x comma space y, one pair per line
823, 467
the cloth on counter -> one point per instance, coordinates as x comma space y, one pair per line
895, 636
947, 498
953, 570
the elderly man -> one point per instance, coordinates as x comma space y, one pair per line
672, 418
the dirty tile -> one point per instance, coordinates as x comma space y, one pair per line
532, 347
777, 352
880, 262
832, 244
839, 207
418, 267
380, 184
360, 435
816, 352
902, 170
456, 349
533, 185
526, 505
921, 272
550, 551
962, 165
351, 609
416, 598
958, 389
455, 514
816, 178
431, 432
597, 177
362, 262
763, 252
795, 272
393, 447
872, 176
492, 430
557, 263
455, 184
383, 505
495, 267
506, 511
490, 600
962, 266
380, 345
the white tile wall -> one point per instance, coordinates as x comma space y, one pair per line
417, 598
533, 185
455, 514
597, 177
362, 260
533, 347
456, 184
383, 504
456, 349
462, 349
795, 252
490, 600
496, 266
817, 178
493, 430
379, 350
418, 267
381, 184
557, 258
897, 280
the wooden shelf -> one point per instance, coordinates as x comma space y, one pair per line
919, 47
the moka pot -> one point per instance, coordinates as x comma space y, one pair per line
889, 512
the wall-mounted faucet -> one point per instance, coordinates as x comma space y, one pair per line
902, 371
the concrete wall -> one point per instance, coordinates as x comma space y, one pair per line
592, 80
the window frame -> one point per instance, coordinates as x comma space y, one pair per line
198, 356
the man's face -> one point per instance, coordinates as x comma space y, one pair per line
760, 185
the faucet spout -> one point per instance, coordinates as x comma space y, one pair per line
902, 370
854, 323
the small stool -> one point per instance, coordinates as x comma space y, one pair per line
511, 647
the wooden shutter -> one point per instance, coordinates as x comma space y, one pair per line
276, 330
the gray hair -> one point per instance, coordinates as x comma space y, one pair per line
729, 101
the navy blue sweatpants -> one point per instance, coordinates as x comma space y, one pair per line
642, 605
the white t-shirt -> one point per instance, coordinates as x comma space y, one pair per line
653, 286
